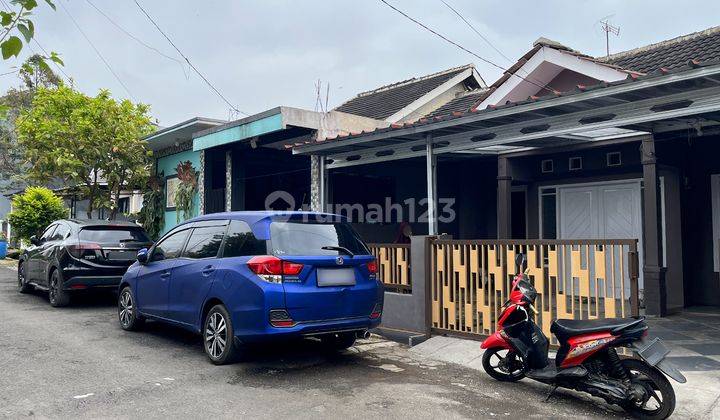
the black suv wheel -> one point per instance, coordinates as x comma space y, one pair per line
23, 287
57, 296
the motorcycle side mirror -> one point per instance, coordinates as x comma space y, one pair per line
142, 256
34, 240
520, 261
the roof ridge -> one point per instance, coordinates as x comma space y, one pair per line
413, 80
677, 39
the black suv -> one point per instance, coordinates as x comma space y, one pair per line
79, 255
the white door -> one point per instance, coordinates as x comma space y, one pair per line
601, 211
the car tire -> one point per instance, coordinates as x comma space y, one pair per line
219, 336
128, 315
338, 342
57, 296
23, 287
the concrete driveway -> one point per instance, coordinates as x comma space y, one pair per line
77, 363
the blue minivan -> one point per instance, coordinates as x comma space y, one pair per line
244, 277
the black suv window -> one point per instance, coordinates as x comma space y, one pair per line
204, 242
113, 235
171, 246
48, 233
61, 232
240, 241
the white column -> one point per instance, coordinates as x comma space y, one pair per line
431, 166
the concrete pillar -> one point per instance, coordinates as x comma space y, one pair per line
201, 183
228, 180
655, 288
412, 312
315, 181
504, 179
431, 176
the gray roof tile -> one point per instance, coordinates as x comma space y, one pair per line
670, 54
387, 100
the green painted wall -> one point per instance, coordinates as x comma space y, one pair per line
168, 164
240, 132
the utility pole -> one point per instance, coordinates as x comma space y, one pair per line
608, 28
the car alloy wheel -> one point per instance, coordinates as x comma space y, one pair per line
53, 292
216, 335
126, 308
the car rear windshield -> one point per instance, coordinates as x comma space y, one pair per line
309, 238
115, 235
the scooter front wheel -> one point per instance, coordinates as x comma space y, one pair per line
503, 364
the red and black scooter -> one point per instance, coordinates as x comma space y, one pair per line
587, 359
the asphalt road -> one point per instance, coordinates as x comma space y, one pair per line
76, 362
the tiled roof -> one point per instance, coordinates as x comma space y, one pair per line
462, 103
670, 54
632, 77
387, 100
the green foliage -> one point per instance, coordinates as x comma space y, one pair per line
34, 75
85, 141
34, 210
186, 189
152, 213
17, 22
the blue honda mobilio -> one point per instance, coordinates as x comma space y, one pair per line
244, 277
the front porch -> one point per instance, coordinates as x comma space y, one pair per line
560, 158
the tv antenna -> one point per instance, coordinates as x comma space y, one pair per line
609, 29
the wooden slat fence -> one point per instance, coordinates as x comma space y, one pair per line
393, 266
575, 279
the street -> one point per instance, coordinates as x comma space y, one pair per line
77, 362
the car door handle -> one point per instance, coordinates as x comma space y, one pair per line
208, 270
165, 275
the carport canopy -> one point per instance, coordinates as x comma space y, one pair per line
636, 107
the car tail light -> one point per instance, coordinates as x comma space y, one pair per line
377, 311
271, 268
84, 249
372, 267
281, 318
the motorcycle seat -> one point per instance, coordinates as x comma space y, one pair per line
566, 328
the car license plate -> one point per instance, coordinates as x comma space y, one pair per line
121, 255
335, 277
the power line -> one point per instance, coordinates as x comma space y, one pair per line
446, 39
188, 61
9, 72
483, 37
476, 31
138, 40
109, 67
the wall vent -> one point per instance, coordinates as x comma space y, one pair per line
614, 159
575, 163
547, 166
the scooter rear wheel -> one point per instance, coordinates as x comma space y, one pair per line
503, 364
660, 396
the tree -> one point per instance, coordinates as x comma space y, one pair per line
16, 100
33, 210
17, 22
86, 142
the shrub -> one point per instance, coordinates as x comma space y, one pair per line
33, 210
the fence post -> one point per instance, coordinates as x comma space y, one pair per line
634, 272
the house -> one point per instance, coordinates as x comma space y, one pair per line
562, 146
247, 164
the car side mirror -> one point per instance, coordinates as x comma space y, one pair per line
142, 256
34, 240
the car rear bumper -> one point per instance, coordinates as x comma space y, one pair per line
87, 282
76, 277
309, 329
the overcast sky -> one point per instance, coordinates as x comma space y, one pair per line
265, 53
